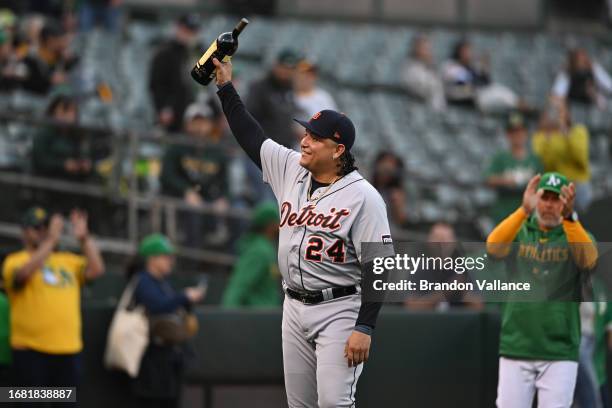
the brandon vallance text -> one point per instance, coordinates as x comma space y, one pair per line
425, 285
458, 265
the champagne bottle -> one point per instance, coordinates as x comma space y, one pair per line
222, 48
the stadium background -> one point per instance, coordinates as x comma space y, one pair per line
419, 359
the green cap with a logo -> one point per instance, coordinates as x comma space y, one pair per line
35, 217
155, 244
515, 121
553, 181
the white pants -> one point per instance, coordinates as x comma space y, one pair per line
316, 372
519, 380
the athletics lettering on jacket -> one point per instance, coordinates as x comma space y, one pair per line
308, 216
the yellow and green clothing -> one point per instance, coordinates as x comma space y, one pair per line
543, 330
506, 165
45, 311
566, 154
255, 279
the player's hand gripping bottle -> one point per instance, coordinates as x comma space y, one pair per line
222, 48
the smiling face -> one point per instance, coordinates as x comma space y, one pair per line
549, 209
319, 155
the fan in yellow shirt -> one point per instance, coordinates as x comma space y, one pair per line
563, 147
43, 287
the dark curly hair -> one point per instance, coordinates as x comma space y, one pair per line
347, 163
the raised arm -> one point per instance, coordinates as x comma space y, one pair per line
500, 239
40, 255
246, 129
95, 263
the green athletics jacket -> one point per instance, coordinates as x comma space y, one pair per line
543, 329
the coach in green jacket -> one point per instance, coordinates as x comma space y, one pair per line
255, 279
540, 341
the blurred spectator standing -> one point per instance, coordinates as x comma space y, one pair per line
442, 243
583, 80
170, 84
309, 97
43, 286
462, 77
510, 170
198, 173
468, 83
420, 76
255, 280
387, 177
160, 377
563, 146
10, 75
587, 389
104, 13
28, 34
49, 64
58, 151
271, 100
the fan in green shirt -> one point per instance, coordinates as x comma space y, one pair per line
255, 279
510, 170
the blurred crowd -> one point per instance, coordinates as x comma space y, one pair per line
38, 55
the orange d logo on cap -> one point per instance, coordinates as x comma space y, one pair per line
316, 116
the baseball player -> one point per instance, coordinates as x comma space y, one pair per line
539, 342
327, 209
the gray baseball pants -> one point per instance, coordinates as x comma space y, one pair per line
316, 372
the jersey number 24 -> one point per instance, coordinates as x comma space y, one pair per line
314, 250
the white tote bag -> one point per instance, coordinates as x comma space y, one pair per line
128, 336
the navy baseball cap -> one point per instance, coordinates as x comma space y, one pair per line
35, 217
333, 125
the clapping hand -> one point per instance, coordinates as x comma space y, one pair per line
78, 219
531, 194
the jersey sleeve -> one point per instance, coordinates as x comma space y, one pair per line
279, 165
372, 225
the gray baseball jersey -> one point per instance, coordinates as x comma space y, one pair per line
320, 240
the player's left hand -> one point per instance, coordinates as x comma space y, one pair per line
357, 349
78, 219
223, 70
567, 196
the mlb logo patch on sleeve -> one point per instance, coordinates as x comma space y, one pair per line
386, 239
